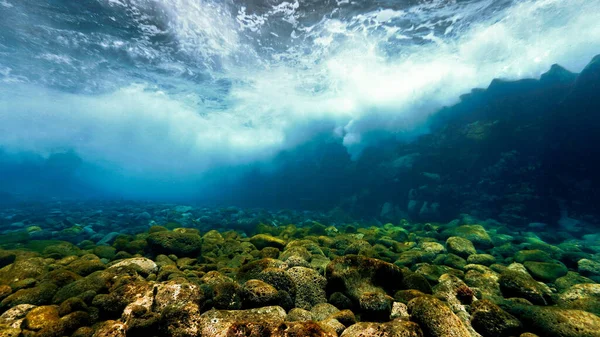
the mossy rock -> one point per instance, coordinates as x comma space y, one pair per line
394, 328
105, 252
546, 271
474, 233
436, 318
261, 241
61, 250
553, 321
460, 246
491, 321
354, 275
520, 284
180, 244
532, 255
570, 279
482, 259
23, 269
14, 237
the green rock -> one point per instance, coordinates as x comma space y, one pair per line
588, 267
354, 275
546, 271
557, 322
261, 241
396, 328
61, 250
23, 269
491, 321
532, 255
178, 243
436, 318
454, 261
520, 284
105, 252
482, 259
460, 246
474, 233
41, 294
570, 279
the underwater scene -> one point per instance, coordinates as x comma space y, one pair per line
290, 168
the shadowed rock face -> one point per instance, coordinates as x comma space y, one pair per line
357, 275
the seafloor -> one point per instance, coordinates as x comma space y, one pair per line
138, 269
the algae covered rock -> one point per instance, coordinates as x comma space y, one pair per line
435, 318
546, 271
261, 241
460, 246
474, 233
375, 306
490, 320
355, 275
396, 328
256, 294
518, 284
557, 322
146, 265
178, 243
310, 287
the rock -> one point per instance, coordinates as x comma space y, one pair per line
178, 243
256, 294
146, 265
6, 258
583, 297
340, 301
86, 265
517, 284
474, 233
491, 321
261, 241
111, 329
545, 271
355, 275
553, 321
176, 294
310, 287
108, 238
435, 318
23, 269
96, 282
38, 295
182, 321
417, 282
395, 328
482, 259
345, 317
105, 252
375, 306
215, 323
322, 311
569, 280
333, 326
43, 318
279, 279
532, 255
5, 290
253, 269
299, 315
589, 268
399, 310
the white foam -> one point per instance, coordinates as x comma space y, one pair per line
335, 76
